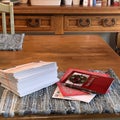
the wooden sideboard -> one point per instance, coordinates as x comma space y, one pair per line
61, 19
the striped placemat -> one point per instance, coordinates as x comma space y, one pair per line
42, 103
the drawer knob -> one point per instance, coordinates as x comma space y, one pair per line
33, 22
84, 22
108, 22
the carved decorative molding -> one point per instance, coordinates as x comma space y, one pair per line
84, 22
108, 22
33, 22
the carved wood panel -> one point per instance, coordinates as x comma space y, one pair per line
34, 23
92, 23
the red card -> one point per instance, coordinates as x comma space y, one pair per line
86, 81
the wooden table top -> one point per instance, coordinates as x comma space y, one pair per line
69, 51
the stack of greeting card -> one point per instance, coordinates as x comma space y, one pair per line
28, 78
82, 85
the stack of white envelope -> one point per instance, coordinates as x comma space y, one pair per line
28, 78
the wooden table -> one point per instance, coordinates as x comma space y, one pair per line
69, 51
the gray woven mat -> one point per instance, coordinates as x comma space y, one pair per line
11, 42
41, 102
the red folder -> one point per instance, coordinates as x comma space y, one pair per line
86, 81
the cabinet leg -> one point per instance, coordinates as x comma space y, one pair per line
58, 24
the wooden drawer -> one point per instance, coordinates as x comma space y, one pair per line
34, 23
28, 23
92, 23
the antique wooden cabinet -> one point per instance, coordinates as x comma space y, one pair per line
61, 19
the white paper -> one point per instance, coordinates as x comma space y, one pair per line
84, 98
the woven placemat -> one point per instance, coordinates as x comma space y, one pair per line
11, 41
42, 103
